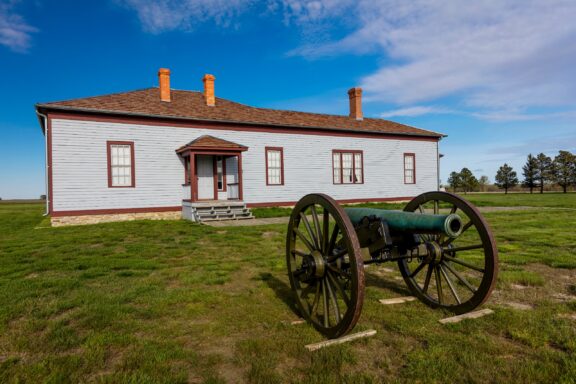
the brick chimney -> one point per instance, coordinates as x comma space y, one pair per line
209, 90
164, 81
355, 95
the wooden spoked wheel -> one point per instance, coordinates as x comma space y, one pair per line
325, 265
458, 274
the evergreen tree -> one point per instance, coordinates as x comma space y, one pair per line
506, 178
483, 182
543, 170
529, 170
468, 180
564, 169
455, 181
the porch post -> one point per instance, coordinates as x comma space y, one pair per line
240, 184
193, 177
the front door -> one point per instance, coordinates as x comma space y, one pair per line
205, 172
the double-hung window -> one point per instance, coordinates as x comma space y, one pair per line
347, 167
274, 166
220, 173
409, 168
121, 164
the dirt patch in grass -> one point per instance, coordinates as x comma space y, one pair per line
269, 234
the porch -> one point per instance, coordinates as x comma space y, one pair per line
212, 170
213, 180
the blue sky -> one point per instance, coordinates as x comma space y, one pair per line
498, 77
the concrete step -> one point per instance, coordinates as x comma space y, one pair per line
227, 218
222, 211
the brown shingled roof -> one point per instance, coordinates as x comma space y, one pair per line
211, 142
190, 105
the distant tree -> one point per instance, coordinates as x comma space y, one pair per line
506, 178
455, 181
530, 172
468, 180
483, 182
564, 169
42, 197
543, 170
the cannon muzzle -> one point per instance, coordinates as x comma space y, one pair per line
410, 222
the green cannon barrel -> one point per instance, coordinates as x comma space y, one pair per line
400, 221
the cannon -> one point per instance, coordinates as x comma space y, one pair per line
444, 249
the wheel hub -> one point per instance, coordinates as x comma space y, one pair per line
434, 252
313, 266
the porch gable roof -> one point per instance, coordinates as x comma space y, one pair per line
211, 143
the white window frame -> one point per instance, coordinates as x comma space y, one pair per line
275, 179
121, 169
352, 174
410, 173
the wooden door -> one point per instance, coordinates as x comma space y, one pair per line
205, 174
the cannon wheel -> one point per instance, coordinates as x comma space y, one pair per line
458, 274
325, 265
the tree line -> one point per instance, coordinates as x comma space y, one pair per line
539, 170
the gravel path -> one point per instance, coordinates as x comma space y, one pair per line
248, 222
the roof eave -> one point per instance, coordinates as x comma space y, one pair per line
107, 112
214, 149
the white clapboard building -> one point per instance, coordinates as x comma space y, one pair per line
160, 152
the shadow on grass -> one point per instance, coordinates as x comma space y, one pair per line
387, 282
284, 292
281, 289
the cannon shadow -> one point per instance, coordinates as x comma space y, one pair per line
386, 282
284, 292
281, 289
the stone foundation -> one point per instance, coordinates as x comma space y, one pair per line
96, 219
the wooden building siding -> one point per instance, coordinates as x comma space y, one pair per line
80, 179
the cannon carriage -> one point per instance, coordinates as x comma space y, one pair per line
444, 249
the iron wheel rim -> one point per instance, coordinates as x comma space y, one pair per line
339, 291
452, 273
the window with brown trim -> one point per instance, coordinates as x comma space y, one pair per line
274, 166
220, 173
409, 168
121, 164
347, 167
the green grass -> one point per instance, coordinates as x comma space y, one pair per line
282, 211
548, 199
175, 302
271, 212
522, 277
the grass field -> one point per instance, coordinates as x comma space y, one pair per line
549, 199
175, 302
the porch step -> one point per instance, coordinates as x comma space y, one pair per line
217, 211
226, 218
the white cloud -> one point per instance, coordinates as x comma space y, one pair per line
492, 54
159, 16
520, 115
415, 111
15, 33
306, 11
